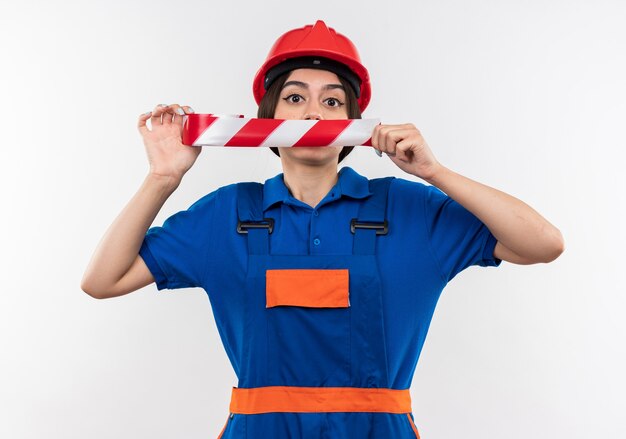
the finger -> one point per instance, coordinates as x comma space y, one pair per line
396, 135
385, 142
168, 115
404, 150
375, 137
141, 123
186, 110
156, 114
178, 113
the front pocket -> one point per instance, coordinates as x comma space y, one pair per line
308, 326
307, 288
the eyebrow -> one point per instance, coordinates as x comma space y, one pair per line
305, 85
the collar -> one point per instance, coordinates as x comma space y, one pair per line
349, 184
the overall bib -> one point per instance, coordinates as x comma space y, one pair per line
314, 361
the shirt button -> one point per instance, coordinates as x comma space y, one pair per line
316, 213
316, 241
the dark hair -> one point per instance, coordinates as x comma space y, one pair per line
267, 106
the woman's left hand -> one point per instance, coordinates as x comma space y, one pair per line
406, 147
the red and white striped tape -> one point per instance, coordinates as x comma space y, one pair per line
212, 130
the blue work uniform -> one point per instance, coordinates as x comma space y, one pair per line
399, 241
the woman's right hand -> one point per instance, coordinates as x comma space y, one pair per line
167, 155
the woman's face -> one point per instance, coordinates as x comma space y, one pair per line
312, 94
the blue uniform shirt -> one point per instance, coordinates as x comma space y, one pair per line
431, 239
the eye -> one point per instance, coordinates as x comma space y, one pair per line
332, 102
293, 98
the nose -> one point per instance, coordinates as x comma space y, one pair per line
312, 116
313, 111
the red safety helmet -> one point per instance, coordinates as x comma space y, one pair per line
313, 41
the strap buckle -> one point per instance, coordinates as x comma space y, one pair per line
381, 228
267, 223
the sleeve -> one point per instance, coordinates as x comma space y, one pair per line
458, 239
175, 253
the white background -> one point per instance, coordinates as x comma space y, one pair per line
529, 97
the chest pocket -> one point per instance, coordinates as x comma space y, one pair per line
308, 319
307, 288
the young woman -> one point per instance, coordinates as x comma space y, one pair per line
322, 283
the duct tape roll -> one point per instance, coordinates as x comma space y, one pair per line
236, 130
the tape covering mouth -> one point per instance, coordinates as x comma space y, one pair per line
215, 130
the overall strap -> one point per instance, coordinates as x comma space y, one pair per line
251, 221
371, 220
